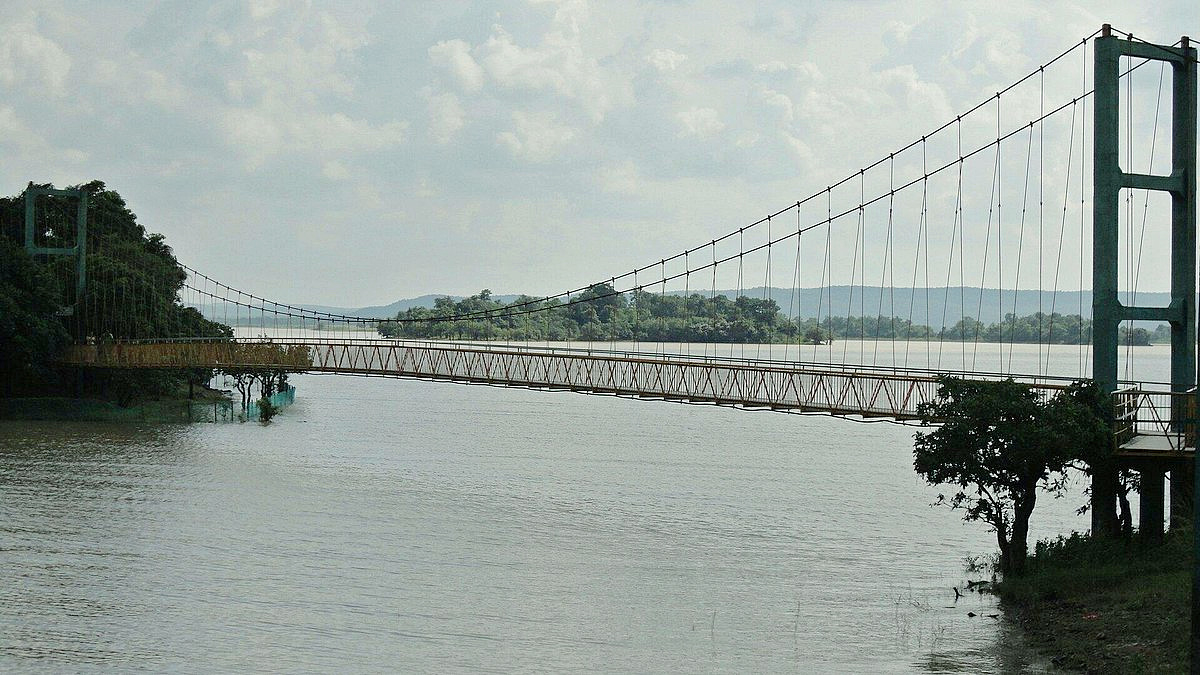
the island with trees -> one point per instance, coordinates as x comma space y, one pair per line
603, 313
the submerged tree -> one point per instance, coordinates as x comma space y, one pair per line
1000, 443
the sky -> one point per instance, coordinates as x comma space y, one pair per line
359, 152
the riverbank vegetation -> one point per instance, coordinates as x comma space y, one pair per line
1112, 602
601, 313
1107, 605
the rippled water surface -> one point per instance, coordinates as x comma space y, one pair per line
384, 525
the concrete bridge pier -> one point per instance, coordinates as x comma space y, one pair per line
1153, 496
1151, 503
1183, 482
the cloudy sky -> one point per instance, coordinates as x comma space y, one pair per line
357, 152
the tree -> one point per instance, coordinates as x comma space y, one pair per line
816, 336
31, 336
266, 409
1096, 458
1162, 333
132, 292
1000, 442
1137, 337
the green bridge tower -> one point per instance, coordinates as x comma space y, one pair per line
1107, 310
78, 251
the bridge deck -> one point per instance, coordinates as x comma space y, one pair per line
854, 390
1155, 445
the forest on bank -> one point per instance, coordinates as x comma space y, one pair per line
601, 313
133, 280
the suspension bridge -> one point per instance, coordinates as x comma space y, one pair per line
1052, 183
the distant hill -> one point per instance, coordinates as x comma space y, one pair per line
389, 311
930, 306
217, 312
943, 302
990, 306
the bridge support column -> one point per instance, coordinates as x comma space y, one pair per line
1182, 492
1150, 505
1104, 499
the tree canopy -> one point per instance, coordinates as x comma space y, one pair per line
131, 293
602, 313
31, 335
998, 443
598, 313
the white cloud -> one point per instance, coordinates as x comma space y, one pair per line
666, 59
335, 170
511, 65
446, 117
262, 133
773, 67
139, 84
301, 55
29, 58
899, 30
559, 64
683, 118
12, 129
802, 151
535, 137
22, 145
454, 58
621, 178
699, 122
261, 9
805, 71
910, 92
779, 102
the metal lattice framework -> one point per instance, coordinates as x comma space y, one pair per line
849, 390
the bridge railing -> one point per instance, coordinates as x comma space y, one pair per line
1047, 383
840, 389
1169, 415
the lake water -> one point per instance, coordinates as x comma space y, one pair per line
387, 525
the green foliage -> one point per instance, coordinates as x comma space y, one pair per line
31, 336
1078, 592
999, 442
816, 336
601, 313
266, 409
131, 293
1161, 334
133, 276
268, 380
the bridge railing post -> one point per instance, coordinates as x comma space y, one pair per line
1125, 415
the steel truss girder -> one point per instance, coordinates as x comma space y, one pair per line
837, 390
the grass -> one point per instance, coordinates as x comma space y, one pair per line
1107, 606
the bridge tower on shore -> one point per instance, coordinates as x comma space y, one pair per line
1107, 311
78, 251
